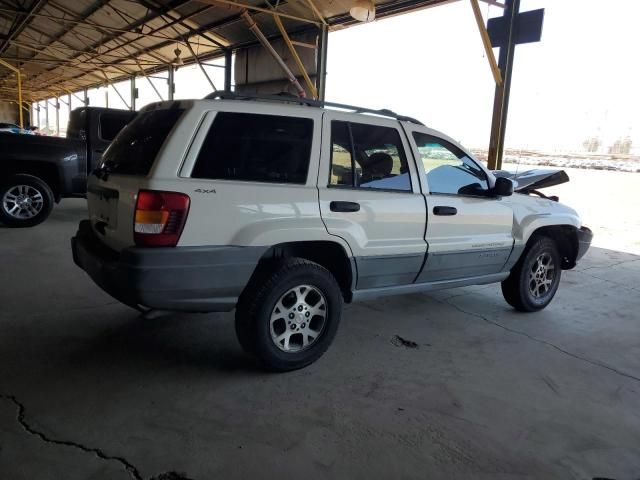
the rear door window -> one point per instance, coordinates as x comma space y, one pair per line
256, 148
368, 156
135, 150
111, 124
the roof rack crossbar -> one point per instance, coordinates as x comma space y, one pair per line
227, 95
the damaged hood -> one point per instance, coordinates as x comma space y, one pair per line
527, 181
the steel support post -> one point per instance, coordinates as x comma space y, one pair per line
501, 98
134, 93
57, 105
227, 69
321, 59
170, 82
19, 80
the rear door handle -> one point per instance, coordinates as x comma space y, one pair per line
440, 210
344, 206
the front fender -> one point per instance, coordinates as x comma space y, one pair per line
532, 223
532, 213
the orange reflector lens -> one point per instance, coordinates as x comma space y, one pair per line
146, 216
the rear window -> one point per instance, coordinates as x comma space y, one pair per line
135, 148
258, 148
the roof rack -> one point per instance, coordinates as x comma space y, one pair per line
285, 97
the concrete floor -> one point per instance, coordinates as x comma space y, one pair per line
90, 390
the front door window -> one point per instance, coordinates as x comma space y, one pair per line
448, 169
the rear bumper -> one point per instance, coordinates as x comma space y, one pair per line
192, 279
585, 235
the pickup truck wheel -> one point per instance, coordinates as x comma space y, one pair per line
534, 280
25, 201
289, 315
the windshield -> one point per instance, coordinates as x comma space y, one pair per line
135, 148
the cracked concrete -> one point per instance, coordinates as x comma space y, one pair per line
125, 465
490, 393
544, 342
133, 471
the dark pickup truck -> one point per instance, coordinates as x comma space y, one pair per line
36, 171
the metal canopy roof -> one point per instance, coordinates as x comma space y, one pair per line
67, 45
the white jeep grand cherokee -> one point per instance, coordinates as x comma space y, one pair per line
283, 208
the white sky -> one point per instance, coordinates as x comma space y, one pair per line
582, 79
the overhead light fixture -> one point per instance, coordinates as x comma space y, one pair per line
178, 60
363, 10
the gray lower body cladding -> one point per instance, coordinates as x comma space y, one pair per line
210, 279
194, 279
388, 270
463, 264
585, 235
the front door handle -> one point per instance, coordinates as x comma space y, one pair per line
440, 210
344, 206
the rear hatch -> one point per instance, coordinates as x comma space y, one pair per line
113, 187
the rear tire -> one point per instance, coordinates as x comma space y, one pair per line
25, 201
534, 280
289, 313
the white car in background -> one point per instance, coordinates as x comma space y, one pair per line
284, 211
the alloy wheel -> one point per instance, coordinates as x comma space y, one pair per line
22, 202
542, 275
298, 318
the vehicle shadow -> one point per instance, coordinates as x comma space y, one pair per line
118, 345
196, 341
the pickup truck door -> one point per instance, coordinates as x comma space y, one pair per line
370, 196
469, 233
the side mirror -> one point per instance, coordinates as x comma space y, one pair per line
503, 187
475, 189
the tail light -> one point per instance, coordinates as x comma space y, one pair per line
159, 218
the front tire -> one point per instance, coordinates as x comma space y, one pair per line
25, 201
534, 280
289, 313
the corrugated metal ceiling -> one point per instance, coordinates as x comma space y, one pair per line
67, 45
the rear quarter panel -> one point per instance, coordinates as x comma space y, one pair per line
226, 212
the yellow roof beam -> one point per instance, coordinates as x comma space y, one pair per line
486, 42
19, 79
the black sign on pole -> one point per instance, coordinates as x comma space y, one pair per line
506, 32
528, 28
